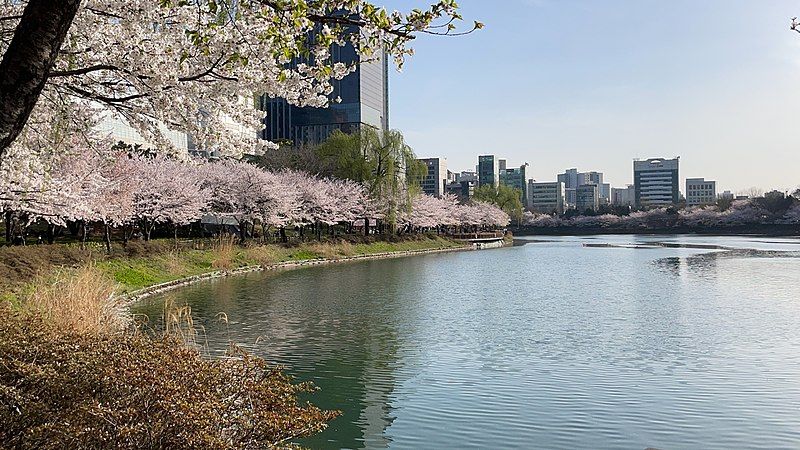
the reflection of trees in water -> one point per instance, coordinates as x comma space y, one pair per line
706, 265
703, 265
327, 325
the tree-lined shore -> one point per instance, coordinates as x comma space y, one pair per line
774, 213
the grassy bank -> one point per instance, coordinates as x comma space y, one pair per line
24, 270
137, 273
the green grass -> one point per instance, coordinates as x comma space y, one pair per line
303, 254
146, 264
140, 272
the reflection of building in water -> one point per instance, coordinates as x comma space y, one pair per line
348, 348
704, 265
379, 383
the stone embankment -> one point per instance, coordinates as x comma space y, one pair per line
141, 294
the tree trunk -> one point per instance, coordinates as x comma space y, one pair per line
146, 229
84, 230
284, 239
27, 62
108, 238
51, 233
242, 232
9, 218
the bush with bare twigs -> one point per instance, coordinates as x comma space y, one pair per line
60, 388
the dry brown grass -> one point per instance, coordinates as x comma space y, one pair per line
346, 248
263, 255
323, 250
78, 299
178, 323
224, 253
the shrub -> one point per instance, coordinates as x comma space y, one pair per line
325, 250
346, 248
64, 389
139, 248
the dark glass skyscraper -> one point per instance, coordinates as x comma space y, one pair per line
364, 101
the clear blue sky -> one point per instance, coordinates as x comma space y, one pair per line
593, 84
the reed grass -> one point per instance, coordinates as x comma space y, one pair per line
79, 299
224, 253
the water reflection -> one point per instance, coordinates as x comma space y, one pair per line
705, 265
670, 342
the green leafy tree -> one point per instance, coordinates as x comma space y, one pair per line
506, 198
343, 157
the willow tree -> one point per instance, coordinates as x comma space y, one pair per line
382, 161
389, 158
189, 66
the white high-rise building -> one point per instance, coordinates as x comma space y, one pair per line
546, 197
700, 191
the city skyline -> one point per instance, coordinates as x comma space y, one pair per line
595, 86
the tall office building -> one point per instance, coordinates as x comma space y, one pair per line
436, 178
656, 182
546, 198
516, 178
119, 131
461, 189
590, 178
587, 197
467, 175
700, 191
488, 170
569, 178
603, 189
364, 101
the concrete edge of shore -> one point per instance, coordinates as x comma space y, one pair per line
130, 298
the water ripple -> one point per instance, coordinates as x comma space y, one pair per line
691, 343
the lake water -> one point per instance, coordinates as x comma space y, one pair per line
594, 342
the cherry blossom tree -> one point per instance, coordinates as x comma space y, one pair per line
247, 194
168, 191
190, 66
744, 212
700, 216
792, 215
